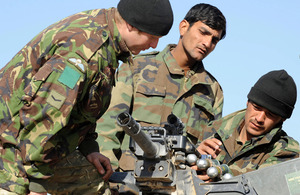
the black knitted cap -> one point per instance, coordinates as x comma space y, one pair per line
154, 17
275, 91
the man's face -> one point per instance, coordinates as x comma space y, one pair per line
199, 39
259, 120
138, 41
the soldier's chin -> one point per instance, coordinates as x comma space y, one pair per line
136, 52
255, 133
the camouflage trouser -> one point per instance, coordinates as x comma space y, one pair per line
75, 175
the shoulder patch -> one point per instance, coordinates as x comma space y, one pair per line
69, 77
55, 99
147, 54
78, 63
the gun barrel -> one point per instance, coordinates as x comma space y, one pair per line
133, 129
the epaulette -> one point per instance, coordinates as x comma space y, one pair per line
146, 54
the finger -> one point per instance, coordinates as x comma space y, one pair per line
211, 152
95, 159
208, 148
202, 151
217, 141
194, 167
211, 147
99, 167
108, 173
213, 143
203, 177
108, 168
202, 148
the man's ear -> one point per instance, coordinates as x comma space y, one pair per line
248, 101
129, 27
183, 27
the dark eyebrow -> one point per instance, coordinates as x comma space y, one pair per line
206, 31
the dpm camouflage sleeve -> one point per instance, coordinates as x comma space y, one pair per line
40, 118
110, 134
44, 105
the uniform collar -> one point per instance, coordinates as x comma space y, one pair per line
197, 75
119, 44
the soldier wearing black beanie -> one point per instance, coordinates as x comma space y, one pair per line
275, 91
154, 17
253, 138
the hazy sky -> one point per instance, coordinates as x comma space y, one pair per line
262, 35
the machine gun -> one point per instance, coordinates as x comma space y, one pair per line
161, 166
161, 153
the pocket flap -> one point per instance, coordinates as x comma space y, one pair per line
151, 89
205, 103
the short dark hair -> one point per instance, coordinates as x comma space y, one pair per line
209, 15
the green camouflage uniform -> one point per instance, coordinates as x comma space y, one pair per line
262, 151
53, 91
151, 89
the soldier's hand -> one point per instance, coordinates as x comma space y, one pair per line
204, 177
102, 164
210, 146
201, 174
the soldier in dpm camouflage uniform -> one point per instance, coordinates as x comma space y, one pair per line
53, 91
252, 139
172, 81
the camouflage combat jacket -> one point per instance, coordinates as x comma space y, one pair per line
154, 87
53, 91
262, 151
